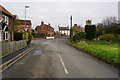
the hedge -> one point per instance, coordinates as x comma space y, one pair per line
18, 36
38, 35
90, 31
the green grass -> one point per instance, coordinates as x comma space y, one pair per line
107, 53
102, 42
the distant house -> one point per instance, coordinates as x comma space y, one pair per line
45, 29
77, 29
6, 25
64, 30
20, 27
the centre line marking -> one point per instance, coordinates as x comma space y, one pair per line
65, 69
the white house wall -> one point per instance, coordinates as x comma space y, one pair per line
63, 31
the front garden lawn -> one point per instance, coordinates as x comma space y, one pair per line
107, 53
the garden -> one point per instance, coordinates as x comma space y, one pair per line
105, 47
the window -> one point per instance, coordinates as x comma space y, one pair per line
6, 19
6, 36
48, 34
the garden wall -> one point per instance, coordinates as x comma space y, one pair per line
10, 47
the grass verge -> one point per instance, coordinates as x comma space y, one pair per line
106, 53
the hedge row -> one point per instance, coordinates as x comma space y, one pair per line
38, 35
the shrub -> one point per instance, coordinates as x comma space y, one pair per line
90, 31
79, 36
29, 38
18, 36
38, 35
107, 37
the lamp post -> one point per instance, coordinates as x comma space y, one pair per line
25, 13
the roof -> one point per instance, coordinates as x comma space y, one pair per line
63, 28
77, 28
5, 11
28, 22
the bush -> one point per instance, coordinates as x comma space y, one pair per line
107, 37
38, 35
79, 36
90, 31
29, 38
18, 36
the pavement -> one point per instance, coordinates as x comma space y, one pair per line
14, 54
57, 59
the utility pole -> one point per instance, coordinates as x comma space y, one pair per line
71, 27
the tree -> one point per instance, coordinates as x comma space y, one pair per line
109, 25
90, 31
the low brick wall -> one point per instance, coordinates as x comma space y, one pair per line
10, 47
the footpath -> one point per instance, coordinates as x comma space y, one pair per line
10, 59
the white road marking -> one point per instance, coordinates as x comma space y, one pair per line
65, 69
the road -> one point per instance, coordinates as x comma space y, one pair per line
57, 59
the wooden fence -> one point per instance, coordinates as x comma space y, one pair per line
10, 47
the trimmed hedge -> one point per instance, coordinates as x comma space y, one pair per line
90, 31
18, 36
38, 35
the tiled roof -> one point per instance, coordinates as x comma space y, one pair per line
28, 22
63, 28
5, 11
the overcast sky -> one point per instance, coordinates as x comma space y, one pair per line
57, 12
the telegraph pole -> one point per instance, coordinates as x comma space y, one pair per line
71, 27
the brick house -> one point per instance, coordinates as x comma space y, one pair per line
47, 30
6, 25
77, 29
64, 30
20, 27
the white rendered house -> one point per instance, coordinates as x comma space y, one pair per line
64, 30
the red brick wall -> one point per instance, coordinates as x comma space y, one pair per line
43, 29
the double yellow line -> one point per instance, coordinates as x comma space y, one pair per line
15, 59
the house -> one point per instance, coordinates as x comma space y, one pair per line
64, 30
21, 26
77, 29
6, 25
45, 29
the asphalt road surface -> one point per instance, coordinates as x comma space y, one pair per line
57, 59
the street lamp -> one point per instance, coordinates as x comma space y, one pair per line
25, 20
25, 14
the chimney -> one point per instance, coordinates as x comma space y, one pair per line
42, 23
49, 24
75, 24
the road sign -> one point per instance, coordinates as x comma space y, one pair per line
26, 29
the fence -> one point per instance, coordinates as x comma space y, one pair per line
10, 47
